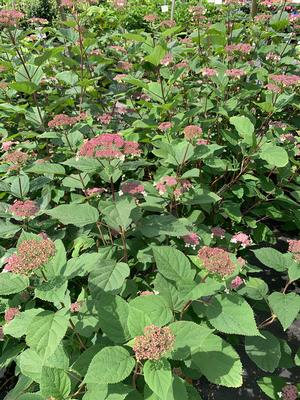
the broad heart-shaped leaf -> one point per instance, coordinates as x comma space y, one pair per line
147, 310
294, 271
20, 186
168, 290
113, 313
8, 230
74, 214
158, 377
245, 128
82, 265
12, 283
109, 276
156, 55
55, 266
285, 306
111, 365
272, 258
30, 396
272, 386
173, 264
188, 337
55, 383
264, 351
53, 291
255, 289
218, 362
46, 331
230, 313
155, 225
47, 168
275, 156
19, 325
120, 213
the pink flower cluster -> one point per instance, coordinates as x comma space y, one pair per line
167, 59
273, 88
167, 23
285, 80
10, 314
17, 158
150, 17
120, 3
105, 118
216, 260
241, 238
26, 208
287, 137
132, 188
164, 126
124, 65
75, 307
197, 12
192, 131
65, 120
94, 191
236, 282
235, 73
239, 48
109, 145
10, 17
154, 343
294, 246
31, 255
39, 21
218, 232
191, 240
273, 57
262, 18
209, 72
178, 185
7, 145
289, 392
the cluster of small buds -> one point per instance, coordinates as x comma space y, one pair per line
164, 126
109, 145
192, 131
2, 68
216, 260
167, 59
96, 191
273, 57
66, 3
125, 65
241, 261
235, 73
182, 64
7, 145
287, 137
285, 80
273, 88
10, 17
147, 293
186, 40
167, 23
270, 3
154, 343
120, 77
38, 21
236, 282
75, 307
31, 255
289, 392
198, 12
96, 52
203, 142
65, 120
10, 314
294, 246
278, 124
17, 158
179, 186
209, 72
121, 108
217, 232
133, 188
241, 238
105, 119
120, 3
244, 48
150, 17
191, 240
121, 49
26, 208
262, 18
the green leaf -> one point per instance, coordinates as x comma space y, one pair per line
158, 377
264, 351
74, 214
297, 358
285, 306
24, 87
19, 325
275, 156
30, 73
20, 186
294, 271
147, 310
12, 283
156, 55
53, 290
109, 276
46, 331
272, 386
272, 258
55, 382
30, 396
255, 289
83, 265
173, 264
155, 225
8, 230
115, 364
188, 337
231, 314
120, 213
218, 362
280, 20
245, 128
47, 168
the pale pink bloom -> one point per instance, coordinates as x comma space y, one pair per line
10, 314
161, 188
186, 40
150, 17
120, 3
17, 158
75, 307
294, 246
96, 52
235, 73
289, 392
94, 191
209, 72
167, 60
285, 80
192, 131
164, 126
131, 148
241, 261
218, 232
216, 260
39, 21
167, 23
262, 17
65, 120
239, 48
182, 64
26, 208
120, 108
118, 48
236, 282
241, 238
273, 88
203, 141
191, 240
120, 77
105, 118
287, 137
273, 57
133, 188
10, 17
185, 185
170, 180
177, 193
125, 65
7, 145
